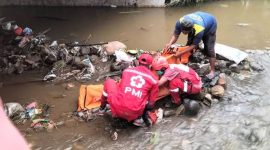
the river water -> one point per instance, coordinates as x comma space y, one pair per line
240, 121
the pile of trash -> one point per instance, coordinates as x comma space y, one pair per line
23, 49
37, 114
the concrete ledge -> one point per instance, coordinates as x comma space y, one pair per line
122, 3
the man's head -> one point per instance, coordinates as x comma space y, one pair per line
160, 64
186, 25
145, 59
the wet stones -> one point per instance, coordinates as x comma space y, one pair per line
197, 57
256, 66
234, 68
222, 80
221, 64
113, 46
217, 91
203, 69
168, 113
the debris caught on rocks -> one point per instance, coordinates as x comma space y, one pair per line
256, 66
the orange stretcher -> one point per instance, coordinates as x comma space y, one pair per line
89, 95
176, 60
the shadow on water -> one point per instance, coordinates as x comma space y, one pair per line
240, 121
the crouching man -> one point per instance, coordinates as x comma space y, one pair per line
134, 95
182, 79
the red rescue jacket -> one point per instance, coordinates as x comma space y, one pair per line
137, 88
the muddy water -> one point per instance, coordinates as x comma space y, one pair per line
240, 121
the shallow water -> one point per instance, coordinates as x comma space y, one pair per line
240, 121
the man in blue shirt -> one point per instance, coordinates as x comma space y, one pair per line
199, 26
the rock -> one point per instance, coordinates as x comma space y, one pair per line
222, 80
221, 64
12, 109
197, 57
168, 113
256, 66
180, 110
204, 69
234, 68
227, 71
62, 45
194, 66
217, 91
111, 47
246, 65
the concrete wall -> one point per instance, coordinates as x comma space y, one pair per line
125, 3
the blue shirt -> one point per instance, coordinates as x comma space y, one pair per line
204, 24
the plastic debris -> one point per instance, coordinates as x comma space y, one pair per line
27, 31
54, 44
123, 56
230, 53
